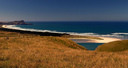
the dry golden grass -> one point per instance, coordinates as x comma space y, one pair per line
115, 46
33, 51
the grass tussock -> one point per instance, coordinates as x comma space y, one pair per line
115, 46
30, 51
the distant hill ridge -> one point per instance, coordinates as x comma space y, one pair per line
15, 23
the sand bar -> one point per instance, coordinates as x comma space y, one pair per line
84, 40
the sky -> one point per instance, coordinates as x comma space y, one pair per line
64, 10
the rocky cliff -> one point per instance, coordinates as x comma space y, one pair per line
15, 23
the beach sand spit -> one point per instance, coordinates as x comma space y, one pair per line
84, 40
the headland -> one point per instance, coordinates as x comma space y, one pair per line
15, 23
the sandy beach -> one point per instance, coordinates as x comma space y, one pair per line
4, 26
106, 40
84, 40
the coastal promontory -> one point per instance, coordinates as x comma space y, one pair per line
15, 23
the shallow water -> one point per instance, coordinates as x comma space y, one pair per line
90, 46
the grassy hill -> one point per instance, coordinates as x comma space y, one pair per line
113, 46
33, 51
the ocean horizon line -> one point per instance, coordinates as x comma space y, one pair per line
76, 21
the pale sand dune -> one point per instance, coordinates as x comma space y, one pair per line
3, 26
84, 40
106, 40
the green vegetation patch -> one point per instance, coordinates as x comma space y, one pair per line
115, 46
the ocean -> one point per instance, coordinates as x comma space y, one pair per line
111, 29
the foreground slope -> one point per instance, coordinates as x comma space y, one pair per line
33, 51
115, 46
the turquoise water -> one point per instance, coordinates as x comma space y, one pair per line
90, 46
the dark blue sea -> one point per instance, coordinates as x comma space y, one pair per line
85, 28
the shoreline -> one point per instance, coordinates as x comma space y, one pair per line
3, 28
77, 40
